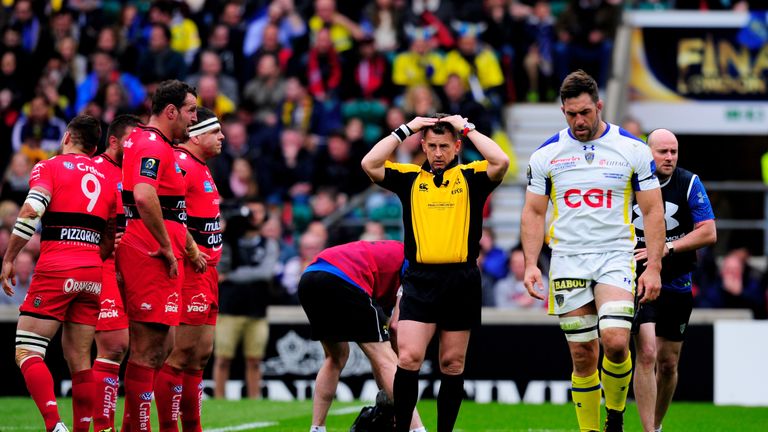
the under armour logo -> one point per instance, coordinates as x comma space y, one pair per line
627, 280
701, 197
670, 209
588, 147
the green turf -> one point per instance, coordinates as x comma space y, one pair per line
20, 414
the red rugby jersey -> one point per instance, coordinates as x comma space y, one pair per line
202, 204
148, 158
114, 173
374, 266
81, 204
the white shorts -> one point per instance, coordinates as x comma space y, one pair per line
573, 277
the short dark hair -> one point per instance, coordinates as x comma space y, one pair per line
171, 92
441, 127
204, 114
85, 132
121, 122
576, 83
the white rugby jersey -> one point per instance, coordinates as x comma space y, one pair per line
591, 186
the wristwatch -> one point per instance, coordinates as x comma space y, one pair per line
670, 247
468, 127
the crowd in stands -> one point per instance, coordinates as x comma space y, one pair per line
303, 88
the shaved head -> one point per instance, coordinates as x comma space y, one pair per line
664, 147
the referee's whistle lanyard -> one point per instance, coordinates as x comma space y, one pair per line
438, 173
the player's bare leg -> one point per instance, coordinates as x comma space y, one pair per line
221, 368
253, 377
384, 365
585, 381
645, 375
666, 376
615, 309
413, 338
336, 355
32, 338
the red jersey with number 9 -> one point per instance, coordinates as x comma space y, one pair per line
148, 158
81, 203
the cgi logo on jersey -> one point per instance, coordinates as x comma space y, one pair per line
595, 198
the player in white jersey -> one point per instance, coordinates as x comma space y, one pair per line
590, 172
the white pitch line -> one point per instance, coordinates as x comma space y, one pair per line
347, 410
244, 426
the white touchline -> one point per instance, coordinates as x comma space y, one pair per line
244, 426
347, 410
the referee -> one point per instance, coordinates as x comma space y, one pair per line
443, 204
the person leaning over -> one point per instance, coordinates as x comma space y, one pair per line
443, 215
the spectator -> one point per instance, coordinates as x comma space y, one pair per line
235, 146
16, 181
338, 165
266, 90
369, 75
492, 262
38, 134
632, 125
9, 114
104, 72
23, 16
58, 87
9, 211
739, 287
219, 42
386, 21
210, 97
469, 58
242, 181
160, 62
585, 32
323, 68
299, 110
290, 169
75, 64
210, 64
272, 46
420, 64
510, 292
310, 244
342, 29
373, 231
282, 15
539, 66
5, 236
243, 298
184, 37
420, 101
11, 78
25, 266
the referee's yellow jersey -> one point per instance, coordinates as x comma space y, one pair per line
442, 214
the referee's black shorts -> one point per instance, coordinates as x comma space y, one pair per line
339, 311
670, 311
449, 295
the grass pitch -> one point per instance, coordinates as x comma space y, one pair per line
20, 414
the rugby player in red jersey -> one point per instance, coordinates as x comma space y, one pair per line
112, 327
72, 198
348, 292
154, 240
193, 338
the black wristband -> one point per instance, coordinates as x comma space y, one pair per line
402, 132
